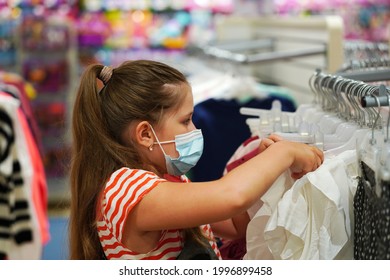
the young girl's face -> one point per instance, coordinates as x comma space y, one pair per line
178, 122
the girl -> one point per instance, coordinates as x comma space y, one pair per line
133, 141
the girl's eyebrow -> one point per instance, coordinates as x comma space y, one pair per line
189, 114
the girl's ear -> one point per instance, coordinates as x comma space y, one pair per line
143, 134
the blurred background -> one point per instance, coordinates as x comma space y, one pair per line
45, 45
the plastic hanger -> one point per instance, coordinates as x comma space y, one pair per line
314, 121
308, 134
360, 135
290, 126
385, 156
268, 121
370, 150
351, 110
274, 120
350, 123
330, 120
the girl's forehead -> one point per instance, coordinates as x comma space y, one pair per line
184, 109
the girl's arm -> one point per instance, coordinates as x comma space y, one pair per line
176, 205
233, 228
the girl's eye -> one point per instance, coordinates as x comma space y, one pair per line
187, 122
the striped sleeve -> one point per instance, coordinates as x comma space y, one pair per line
125, 188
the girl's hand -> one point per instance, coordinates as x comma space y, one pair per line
268, 141
306, 159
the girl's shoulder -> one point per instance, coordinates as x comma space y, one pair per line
127, 172
132, 179
128, 186
179, 179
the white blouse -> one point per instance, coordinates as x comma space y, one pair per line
311, 218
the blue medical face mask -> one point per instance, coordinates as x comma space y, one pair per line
190, 148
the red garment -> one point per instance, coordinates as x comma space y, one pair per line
19, 83
236, 249
33, 180
241, 160
179, 179
123, 191
38, 185
233, 249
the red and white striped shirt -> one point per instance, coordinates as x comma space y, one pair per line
125, 188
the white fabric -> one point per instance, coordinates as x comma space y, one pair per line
310, 218
257, 247
314, 218
259, 212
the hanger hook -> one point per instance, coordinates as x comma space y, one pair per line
312, 85
363, 113
318, 84
372, 141
388, 118
327, 94
341, 104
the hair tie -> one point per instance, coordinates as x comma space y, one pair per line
105, 74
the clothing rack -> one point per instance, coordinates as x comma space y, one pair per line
223, 51
281, 51
355, 140
356, 50
366, 61
368, 70
367, 75
341, 93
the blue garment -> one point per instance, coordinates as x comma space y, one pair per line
224, 129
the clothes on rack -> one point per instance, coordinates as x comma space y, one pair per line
289, 222
16, 86
372, 218
314, 217
24, 222
16, 223
334, 212
221, 121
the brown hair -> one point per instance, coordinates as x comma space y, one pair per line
136, 90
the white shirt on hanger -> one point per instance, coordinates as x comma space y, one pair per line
313, 219
257, 246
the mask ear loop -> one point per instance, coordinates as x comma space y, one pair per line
158, 142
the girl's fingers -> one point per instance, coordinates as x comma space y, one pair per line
275, 138
265, 143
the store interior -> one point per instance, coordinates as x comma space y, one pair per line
251, 51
